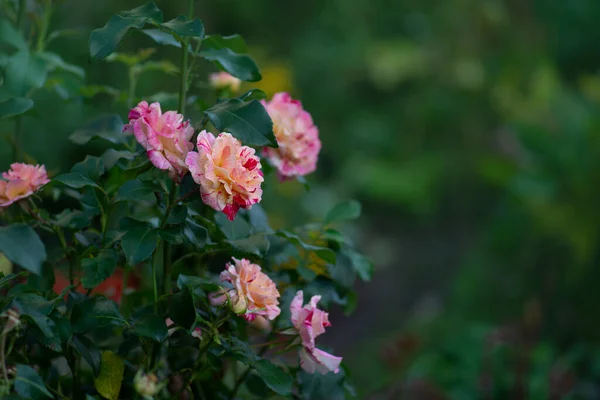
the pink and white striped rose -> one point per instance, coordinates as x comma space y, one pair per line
254, 293
228, 173
165, 136
297, 137
311, 322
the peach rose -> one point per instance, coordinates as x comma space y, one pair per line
311, 322
228, 173
166, 137
297, 137
21, 180
254, 292
223, 80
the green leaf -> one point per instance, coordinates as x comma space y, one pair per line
322, 252
234, 42
89, 351
276, 378
161, 37
257, 244
361, 264
259, 220
91, 167
233, 230
10, 35
75, 180
105, 40
112, 156
10, 277
135, 190
172, 234
108, 382
247, 121
53, 61
182, 310
253, 94
22, 246
23, 72
178, 215
107, 127
196, 234
49, 336
151, 326
15, 106
31, 303
29, 385
97, 269
95, 312
343, 211
328, 386
182, 26
198, 286
241, 66
138, 244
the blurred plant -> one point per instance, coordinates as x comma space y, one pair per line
114, 287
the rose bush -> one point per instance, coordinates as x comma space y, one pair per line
151, 270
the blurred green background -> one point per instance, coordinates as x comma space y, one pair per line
469, 130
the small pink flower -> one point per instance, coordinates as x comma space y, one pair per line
255, 293
228, 173
297, 137
311, 322
197, 333
166, 137
223, 80
21, 180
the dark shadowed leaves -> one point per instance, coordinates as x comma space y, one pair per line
97, 269
88, 351
139, 243
29, 385
106, 40
151, 326
276, 378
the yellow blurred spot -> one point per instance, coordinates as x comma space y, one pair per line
276, 77
6, 266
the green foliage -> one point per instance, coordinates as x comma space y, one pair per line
139, 243
23, 246
29, 385
106, 40
98, 268
15, 106
114, 271
274, 377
